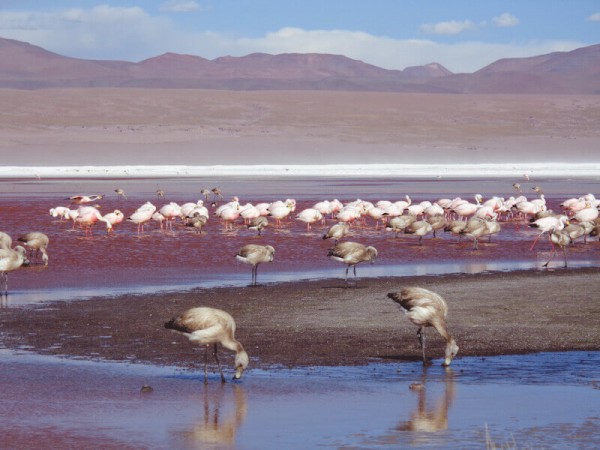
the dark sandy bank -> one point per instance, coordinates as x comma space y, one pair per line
325, 323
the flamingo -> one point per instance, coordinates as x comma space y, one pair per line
425, 308
475, 229
88, 216
82, 199
158, 217
587, 214
142, 215
548, 224
351, 254
115, 218
249, 212
38, 243
228, 213
217, 193
10, 260
456, 227
324, 207
376, 214
186, 209
398, 224
348, 214
59, 211
210, 326
170, 212
562, 239
254, 255
309, 216
160, 193
419, 228
437, 222
198, 222
280, 210
5, 240
337, 231
258, 224
121, 193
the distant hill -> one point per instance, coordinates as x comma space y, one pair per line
25, 66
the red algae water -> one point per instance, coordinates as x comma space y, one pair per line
156, 258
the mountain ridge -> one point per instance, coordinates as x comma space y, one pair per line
26, 66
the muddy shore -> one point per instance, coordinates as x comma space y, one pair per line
323, 322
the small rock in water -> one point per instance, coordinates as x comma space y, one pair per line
146, 389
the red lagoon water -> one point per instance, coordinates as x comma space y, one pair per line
123, 260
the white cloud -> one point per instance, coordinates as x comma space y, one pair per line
505, 20
179, 6
132, 34
447, 28
594, 17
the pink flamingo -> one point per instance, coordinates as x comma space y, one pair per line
88, 216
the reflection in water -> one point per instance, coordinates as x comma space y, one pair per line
221, 418
428, 417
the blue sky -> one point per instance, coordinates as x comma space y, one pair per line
462, 35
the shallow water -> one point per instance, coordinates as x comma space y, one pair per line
160, 261
537, 401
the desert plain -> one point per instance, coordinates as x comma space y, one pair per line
74, 127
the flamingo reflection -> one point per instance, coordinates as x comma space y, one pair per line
221, 418
429, 417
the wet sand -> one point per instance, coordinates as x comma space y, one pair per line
324, 322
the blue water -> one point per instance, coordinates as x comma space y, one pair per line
547, 400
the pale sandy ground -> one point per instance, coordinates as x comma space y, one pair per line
196, 127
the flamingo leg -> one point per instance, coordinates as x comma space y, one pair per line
565, 254
551, 256
346, 277
206, 365
536, 239
219, 364
421, 336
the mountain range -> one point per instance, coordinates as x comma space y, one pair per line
25, 66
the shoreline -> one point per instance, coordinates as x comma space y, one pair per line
377, 171
489, 314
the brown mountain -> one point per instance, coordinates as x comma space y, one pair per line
574, 72
25, 66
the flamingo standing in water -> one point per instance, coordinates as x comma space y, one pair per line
10, 259
309, 216
425, 309
548, 224
115, 218
562, 239
258, 224
142, 215
38, 243
211, 326
254, 255
351, 254
88, 216
337, 231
